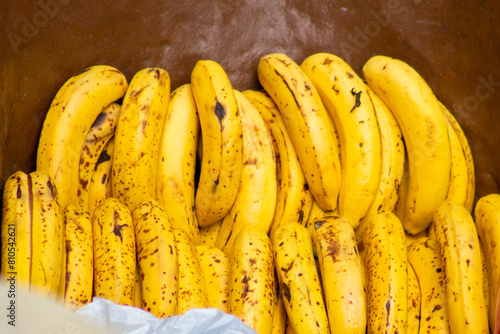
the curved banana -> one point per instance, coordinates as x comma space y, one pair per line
251, 283
209, 234
221, 131
157, 259
256, 199
392, 164
414, 301
71, 114
114, 252
101, 131
78, 258
459, 250
487, 222
342, 275
309, 125
137, 137
345, 97
294, 199
299, 279
177, 161
100, 182
386, 264
424, 259
425, 134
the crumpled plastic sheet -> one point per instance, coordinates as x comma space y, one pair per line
131, 320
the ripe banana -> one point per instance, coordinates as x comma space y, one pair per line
386, 264
425, 134
137, 137
462, 181
157, 257
309, 125
177, 161
294, 199
114, 252
209, 234
414, 301
461, 256
71, 114
256, 199
215, 267
487, 215
221, 130
100, 181
299, 279
342, 275
192, 289
251, 283
345, 97
77, 259
424, 259
392, 163
101, 131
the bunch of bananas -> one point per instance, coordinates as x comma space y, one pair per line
326, 202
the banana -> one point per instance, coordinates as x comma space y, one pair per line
309, 125
414, 301
424, 259
279, 312
256, 199
209, 234
70, 116
487, 221
215, 267
221, 131
386, 264
157, 259
392, 163
462, 181
345, 97
425, 134
461, 256
100, 182
137, 137
177, 161
251, 283
78, 258
192, 289
299, 279
294, 199
101, 131
114, 252
342, 275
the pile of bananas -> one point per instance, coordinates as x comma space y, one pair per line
327, 202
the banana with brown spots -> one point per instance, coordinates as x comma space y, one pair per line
209, 234
309, 125
157, 259
100, 186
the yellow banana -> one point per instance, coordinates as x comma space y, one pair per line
209, 234
114, 252
192, 289
309, 125
71, 114
461, 256
279, 312
386, 263
251, 283
78, 258
137, 137
462, 181
294, 199
345, 97
487, 222
299, 279
424, 259
414, 301
256, 199
221, 130
157, 257
215, 267
342, 275
100, 181
101, 131
425, 134
177, 161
